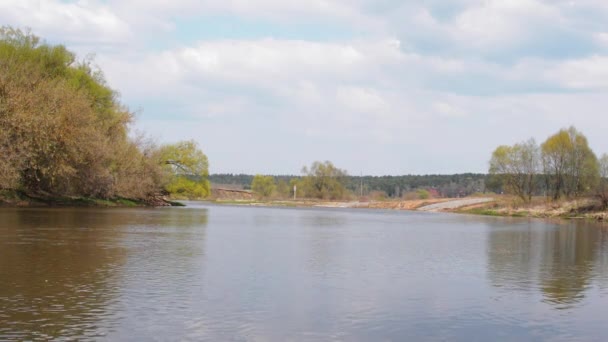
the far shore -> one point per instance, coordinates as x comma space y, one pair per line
497, 205
494, 205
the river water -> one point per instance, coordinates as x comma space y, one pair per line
222, 273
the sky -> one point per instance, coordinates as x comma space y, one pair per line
379, 87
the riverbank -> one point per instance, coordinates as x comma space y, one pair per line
11, 198
310, 203
583, 208
432, 205
497, 205
502, 206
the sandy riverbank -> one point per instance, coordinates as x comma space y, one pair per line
436, 204
490, 206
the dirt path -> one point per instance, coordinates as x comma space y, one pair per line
455, 204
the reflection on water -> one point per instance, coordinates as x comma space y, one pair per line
224, 273
561, 260
570, 257
62, 271
57, 272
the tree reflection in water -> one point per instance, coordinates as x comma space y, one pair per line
61, 270
561, 262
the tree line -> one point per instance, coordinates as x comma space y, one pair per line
564, 166
64, 132
321, 180
314, 183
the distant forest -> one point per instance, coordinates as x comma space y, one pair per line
457, 185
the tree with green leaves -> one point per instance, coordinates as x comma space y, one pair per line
263, 186
517, 167
186, 169
283, 189
324, 181
423, 194
62, 126
570, 166
64, 132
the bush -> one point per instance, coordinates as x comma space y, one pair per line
423, 194
263, 186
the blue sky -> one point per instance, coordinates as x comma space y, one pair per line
379, 87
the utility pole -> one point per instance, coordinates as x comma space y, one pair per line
295, 190
361, 183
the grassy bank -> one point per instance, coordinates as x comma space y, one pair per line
540, 207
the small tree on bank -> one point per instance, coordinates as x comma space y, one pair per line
186, 169
263, 186
323, 181
570, 166
517, 167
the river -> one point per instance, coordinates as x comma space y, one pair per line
222, 273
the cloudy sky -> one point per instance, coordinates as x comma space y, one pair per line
376, 86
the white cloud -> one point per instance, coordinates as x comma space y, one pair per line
359, 99
87, 22
498, 22
258, 7
266, 64
449, 111
160, 14
586, 73
280, 59
602, 38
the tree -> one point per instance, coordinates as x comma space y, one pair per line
186, 169
423, 194
570, 166
517, 166
50, 126
283, 190
324, 181
63, 131
137, 172
9, 168
263, 186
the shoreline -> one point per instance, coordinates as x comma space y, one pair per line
499, 206
18, 199
584, 209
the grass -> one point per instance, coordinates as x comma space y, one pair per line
93, 202
497, 213
482, 211
540, 207
126, 202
